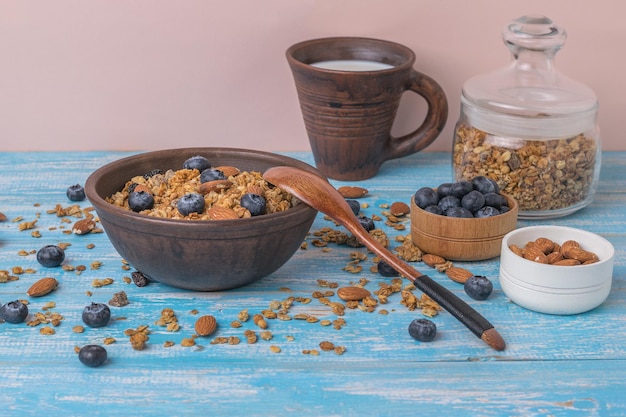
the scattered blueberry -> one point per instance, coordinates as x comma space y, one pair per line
460, 188
92, 355
198, 162
485, 185
386, 270
140, 200
448, 202
434, 209
96, 315
355, 206
14, 312
367, 223
211, 174
423, 330
75, 192
486, 211
50, 256
190, 203
460, 212
254, 203
473, 201
152, 173
478, 287
425, 196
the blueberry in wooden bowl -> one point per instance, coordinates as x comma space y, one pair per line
219, 246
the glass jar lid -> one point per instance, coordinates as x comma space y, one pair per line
530, 97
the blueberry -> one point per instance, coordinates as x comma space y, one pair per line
211, 175
367, 223
460, 188
448, 202
444, 189
478, 287
198, 162
504, 209
386, 270
50, 256
92, 355
473, 201
461, 212
254, 203
140, 200
485, 185
152, 173
355, 206
487, 211
96, 315
423, 330
434, 210
425, 196
14, 312
190, 203
495, 200
75, 192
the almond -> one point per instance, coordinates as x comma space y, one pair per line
567, 262
228, 171
215, 185
142, 188
399, 209
533, 253
578, 254
554, 257
517, 250
352, 293
42, 287
457, 274
569, 244
84, 226
352, 191
205, 325
221, 213
432, 260
255, 189
545, 245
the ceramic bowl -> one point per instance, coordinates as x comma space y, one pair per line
555, 289
201, 255
460, 239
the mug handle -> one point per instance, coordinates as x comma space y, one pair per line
432, 125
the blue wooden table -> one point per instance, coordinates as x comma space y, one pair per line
552, 366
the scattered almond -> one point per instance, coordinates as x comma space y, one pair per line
352, 191
205, 325
222, 213
399, 209
457, 274
352, 293
432, 260
84, 226
42, 287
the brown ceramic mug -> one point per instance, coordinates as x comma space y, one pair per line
349, 90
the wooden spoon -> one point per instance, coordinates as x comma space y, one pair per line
318, 193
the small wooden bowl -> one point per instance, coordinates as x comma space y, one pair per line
461, 239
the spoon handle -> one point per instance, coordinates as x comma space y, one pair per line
476, 323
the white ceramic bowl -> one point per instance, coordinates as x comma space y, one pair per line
556, 289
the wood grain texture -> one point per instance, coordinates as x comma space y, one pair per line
553, 365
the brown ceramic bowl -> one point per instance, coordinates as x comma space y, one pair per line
460, 239
201, 255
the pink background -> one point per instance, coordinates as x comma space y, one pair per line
151, 74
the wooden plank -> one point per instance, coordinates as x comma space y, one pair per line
553, 365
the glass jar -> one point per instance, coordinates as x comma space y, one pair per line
530, 128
